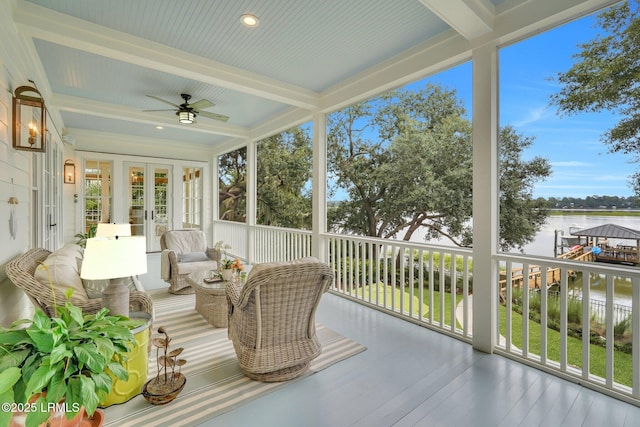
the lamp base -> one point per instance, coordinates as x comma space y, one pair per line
115, 297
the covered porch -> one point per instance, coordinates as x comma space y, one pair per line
447, 345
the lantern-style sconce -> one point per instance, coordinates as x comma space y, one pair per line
69, 172
28, 120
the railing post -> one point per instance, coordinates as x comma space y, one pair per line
252, 196
319, 247
485, 196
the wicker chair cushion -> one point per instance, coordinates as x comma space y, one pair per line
193, 257
192, 267
62, 267
94, 288
185, 241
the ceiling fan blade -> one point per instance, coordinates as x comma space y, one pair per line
213, 116
163, 100
168, 109
202, 104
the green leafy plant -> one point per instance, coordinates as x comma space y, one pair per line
82, 238
66, 358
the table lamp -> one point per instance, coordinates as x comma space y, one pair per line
114, 258
106, 229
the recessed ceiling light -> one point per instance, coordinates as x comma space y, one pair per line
249, 20
159, 127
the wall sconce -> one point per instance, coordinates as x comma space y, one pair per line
28, 120
69, 172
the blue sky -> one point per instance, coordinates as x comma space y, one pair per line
581, 163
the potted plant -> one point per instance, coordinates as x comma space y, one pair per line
61, 362
169, 381
226, 263
82, 238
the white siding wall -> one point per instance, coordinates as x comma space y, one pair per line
15, 173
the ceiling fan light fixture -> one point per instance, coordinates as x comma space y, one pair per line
186, 117
249, 20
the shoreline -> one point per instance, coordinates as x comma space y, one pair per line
595, 212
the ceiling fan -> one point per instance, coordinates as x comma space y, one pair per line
187, 112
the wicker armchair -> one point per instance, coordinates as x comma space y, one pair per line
185, 252
272, 318
21, 271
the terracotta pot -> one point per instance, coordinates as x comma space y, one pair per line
97, 420
59, 419
166, 395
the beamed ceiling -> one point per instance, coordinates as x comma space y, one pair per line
98, 60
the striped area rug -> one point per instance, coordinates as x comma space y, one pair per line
214, 381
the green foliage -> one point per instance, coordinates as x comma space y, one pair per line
67, 357
232, 182
623, 366
283, 180
405, 161
606, 77
82, 237
621, 329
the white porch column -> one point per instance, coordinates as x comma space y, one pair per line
252, 197
485, 196
319, 182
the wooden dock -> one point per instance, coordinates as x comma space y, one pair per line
535, 273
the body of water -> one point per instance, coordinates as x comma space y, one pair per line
543, 245
543, 242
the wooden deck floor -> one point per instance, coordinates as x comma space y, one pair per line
412, 376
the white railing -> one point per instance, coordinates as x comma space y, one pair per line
258, 244
280, 244
404, 279
234, 234
556, 330
559, 332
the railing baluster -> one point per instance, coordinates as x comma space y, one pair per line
453, 292
635, 335
586, 325
543, 315
609, 331
525, 310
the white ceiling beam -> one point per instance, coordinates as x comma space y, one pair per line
121, 112
43, 23
451, 48
470, 18
437, 54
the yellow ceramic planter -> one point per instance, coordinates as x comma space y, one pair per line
137, 365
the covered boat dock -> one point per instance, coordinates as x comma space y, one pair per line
598, 238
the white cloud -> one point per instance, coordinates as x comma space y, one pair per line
572, 164
534, 115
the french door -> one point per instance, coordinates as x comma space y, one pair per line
149, 204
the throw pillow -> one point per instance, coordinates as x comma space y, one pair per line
94, 288
62, 269
193, 257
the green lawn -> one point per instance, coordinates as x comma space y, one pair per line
597, 354
622, 366
382, 290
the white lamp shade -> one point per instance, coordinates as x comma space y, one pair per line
110, 257
112, 230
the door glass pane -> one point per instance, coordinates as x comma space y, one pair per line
136, 200
161, 182
192, 198
97, 194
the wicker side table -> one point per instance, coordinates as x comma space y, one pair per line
211, 299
